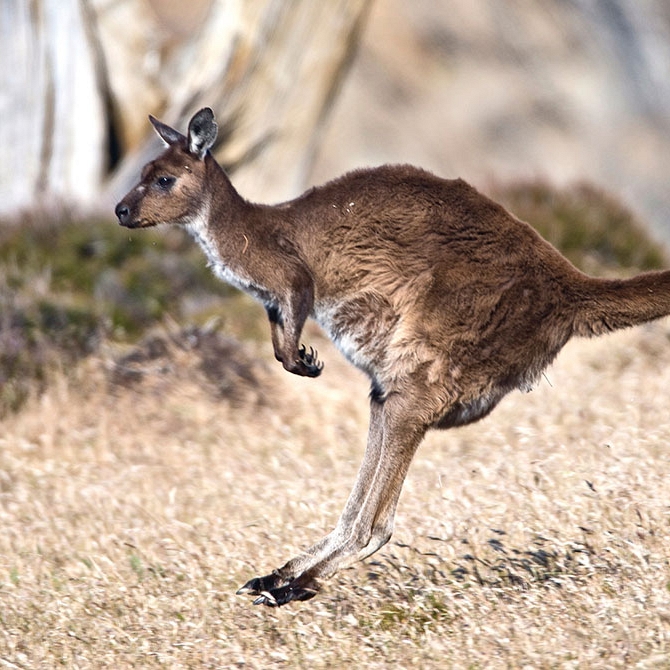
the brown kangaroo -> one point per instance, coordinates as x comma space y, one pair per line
440, 295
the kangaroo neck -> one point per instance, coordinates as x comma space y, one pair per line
225, 229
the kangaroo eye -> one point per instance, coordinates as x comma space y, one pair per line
165, 182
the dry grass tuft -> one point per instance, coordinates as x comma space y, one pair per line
536, 538
217, 363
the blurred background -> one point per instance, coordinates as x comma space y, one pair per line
564, 90
153, 454
560, 109
489, 90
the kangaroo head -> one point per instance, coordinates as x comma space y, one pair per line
173, 187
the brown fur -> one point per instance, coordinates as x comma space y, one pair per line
442, 297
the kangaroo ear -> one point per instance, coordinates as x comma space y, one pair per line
202, 131
169, 135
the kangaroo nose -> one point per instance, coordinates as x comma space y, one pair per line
122, 213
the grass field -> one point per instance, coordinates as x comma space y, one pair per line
133, 506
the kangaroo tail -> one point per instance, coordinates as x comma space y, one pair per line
603, 305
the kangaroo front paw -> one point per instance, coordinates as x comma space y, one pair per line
309, 362
272, 594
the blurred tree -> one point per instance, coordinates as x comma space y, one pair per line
78, 78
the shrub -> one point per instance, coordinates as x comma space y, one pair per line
592, 228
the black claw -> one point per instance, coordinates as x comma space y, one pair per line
259, 585
247, 588
283, 596
271, 594
311, 360
266, 598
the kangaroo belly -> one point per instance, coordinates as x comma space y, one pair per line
359, 327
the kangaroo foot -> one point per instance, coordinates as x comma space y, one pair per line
258, 585
310, 362
274, 590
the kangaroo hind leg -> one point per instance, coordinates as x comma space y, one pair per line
366, 522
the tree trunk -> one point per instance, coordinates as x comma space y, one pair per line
80, 76
52, 133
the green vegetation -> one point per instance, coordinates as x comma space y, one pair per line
125, 279
67, 285
592, 228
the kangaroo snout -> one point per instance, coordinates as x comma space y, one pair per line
122, 212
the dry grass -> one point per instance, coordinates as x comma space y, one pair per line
539, 538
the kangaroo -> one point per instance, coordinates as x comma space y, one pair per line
442, 297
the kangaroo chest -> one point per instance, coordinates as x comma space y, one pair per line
226, 273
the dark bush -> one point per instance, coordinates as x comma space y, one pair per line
592, 228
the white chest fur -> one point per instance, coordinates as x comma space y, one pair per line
235, 276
